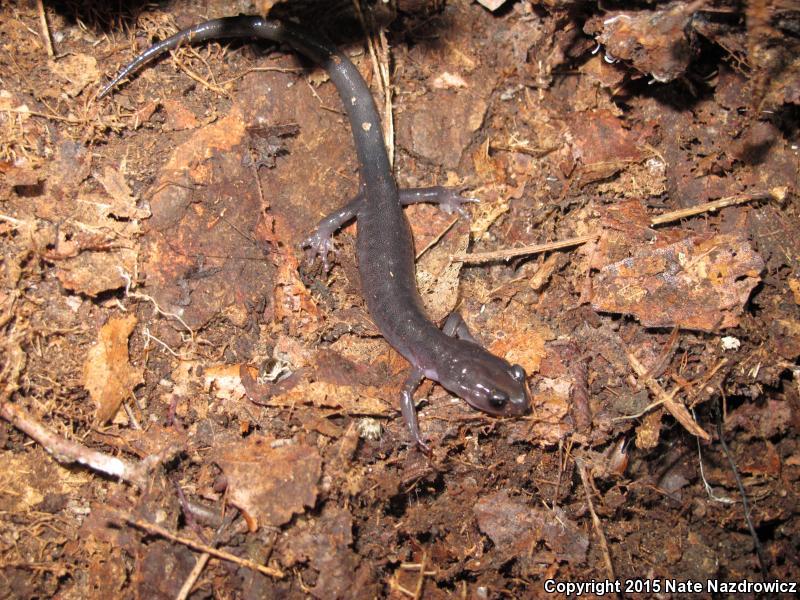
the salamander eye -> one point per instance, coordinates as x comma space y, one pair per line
498, 398
518, 373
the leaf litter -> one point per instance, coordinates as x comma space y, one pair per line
261, 421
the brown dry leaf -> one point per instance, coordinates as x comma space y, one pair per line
160, 569
351, 400
106, 574
26, 480
761, 421
602, 144
655, 42
293, 302
107, 373
696, 283
785, 337
178, 116
437, 275
270, 484
326, 543
648, 432
93, 273
439, 125
763, 463
487, 212
524, 342
77, 70
489, 168
229, 253
516, 528
123, 202
794, 285
550, 423
224, 381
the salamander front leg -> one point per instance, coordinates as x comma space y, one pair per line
320, 243
409, 410
454, 326
449, 199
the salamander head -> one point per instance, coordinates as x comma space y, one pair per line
487, 382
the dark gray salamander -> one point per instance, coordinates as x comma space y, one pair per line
450, 356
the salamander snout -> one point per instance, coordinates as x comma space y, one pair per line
490, 384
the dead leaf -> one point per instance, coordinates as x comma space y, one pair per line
761, 421
77, 70
352, 400
326, 544
649, 431
123, 202
437, 274
270, 484
93, 273
696, 283
178, 116
107, 373
794, 285
516, 529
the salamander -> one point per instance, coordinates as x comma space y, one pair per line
450, 356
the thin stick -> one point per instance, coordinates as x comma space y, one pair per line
35, 113
192, 75
66, 451
199, 546
381, 69
598, 526
480, 257
12, 220
776, 194
436, 239
187, 586
675, 408
421, 579
48, 42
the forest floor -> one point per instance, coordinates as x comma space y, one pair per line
191, 409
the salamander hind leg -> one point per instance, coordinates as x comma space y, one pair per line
409, 410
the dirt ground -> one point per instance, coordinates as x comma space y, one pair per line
191, 409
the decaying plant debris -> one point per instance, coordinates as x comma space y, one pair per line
191, 410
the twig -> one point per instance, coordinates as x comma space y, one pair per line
199, 546
778, 193
381, 68
48, 42
188, 584
598, 526
436, 239
192, 75
647, 408
675, 408
128, 293
421, 579
260, 69
13, 221
35, 113
66, 451
480, 257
